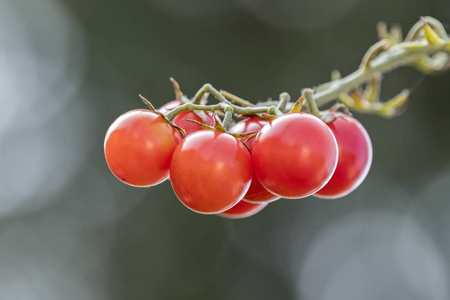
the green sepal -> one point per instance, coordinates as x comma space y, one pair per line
218, 124
268, 117
204, 126
338, 110
176, 89
163, 116
298, 105
243, 135
148, 103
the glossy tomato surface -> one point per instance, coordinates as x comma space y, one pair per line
294, 155
256, 193
355, 158
181, 118
210, 171
243, 210
139, 146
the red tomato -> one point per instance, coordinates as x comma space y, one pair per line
355, 158
242, 210
181, 118
139, 146
210, 171
169, 106
294, 155
256, 193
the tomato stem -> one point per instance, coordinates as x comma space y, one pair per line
284, 99
426, 47
426, 50
309, 93
236, 99
208, 88
190, 106
228, 119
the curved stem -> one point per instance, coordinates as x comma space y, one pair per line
208, 88
397, 56
426, 47
284, 99
373, 51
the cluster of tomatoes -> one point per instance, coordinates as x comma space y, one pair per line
213, 172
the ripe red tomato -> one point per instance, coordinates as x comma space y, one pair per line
139, 146
294, 155
210, 171
256, 193
355, 158
242, 210
181, 118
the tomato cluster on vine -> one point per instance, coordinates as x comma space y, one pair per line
291, 156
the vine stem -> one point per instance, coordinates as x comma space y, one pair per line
223, 107
236, 99
397, 56
426, 47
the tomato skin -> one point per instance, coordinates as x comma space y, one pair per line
294, 155
139, 146
169, 106
181, 118
243, 210
256, 192
210, 171
355, 158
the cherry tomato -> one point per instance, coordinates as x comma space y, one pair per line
181, 118
242, 210
355, 158
139, 146
256, 193
294, 155
210, 171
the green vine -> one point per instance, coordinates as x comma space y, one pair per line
426, 47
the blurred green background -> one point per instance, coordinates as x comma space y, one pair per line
70, 230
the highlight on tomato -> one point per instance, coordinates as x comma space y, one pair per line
182, 118
256, 192
355, 158
210, 171
243, 209
294, 155
139, 146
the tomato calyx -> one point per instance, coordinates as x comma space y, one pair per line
339, 110
217, 124
268, 118
298, 104
179, 96
153, 109
219, 127
176, 88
